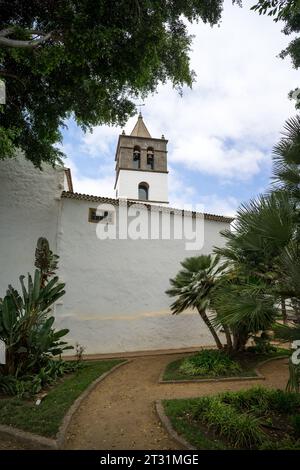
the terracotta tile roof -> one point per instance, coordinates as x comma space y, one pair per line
115, 202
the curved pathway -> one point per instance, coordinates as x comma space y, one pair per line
120, 411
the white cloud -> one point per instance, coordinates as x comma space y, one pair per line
97, 144
179, 192
94, 186
210, 155
97, 185
240, 94
181, 195
226, 126
214, 204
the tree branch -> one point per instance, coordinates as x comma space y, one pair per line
8, 42
4, 73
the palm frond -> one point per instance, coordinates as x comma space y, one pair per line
286, 332
286, 157
193, 283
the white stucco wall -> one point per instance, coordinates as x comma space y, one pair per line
128, 183
116, 297
29, 207
115, 289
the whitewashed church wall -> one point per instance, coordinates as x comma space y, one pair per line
115, 289
29, 207
115, 298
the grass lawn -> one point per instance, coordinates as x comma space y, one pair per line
247, 362
257, 418
46, 418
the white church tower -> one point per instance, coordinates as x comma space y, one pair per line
141, 166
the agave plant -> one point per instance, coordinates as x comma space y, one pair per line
45, 260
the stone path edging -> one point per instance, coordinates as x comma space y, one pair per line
25, 437
258, 375
169, 428
47, 443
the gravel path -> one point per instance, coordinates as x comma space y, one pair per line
120, 414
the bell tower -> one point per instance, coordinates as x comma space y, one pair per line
141, 166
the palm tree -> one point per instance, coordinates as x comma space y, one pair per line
286, 158
192, 287
263, 249
245, 305
263, 229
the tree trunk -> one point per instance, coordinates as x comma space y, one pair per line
9, 366
283, 311
228, 337
211, 328
239, 341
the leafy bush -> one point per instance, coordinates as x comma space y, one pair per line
262, 400
284, 402
210, 362
262, 345
239, 416
254, 399
25, 327
241, 430
284, 444
296, 425
29, 385
257, 418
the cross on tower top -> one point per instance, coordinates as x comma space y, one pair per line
139, 106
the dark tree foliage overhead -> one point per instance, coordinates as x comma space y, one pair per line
87, 58
287, 11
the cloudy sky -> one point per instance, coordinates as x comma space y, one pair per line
221, 132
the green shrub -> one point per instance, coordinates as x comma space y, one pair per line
253, 398
210, 362
238, 419
284, 402
284, 444
262, 345
25, 325
29, 385
263, 400
241, 430
296, 425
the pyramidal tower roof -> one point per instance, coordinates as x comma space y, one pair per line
140, 129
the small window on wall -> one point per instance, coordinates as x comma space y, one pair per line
136, 157
150, 158
143, 191
104, 217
